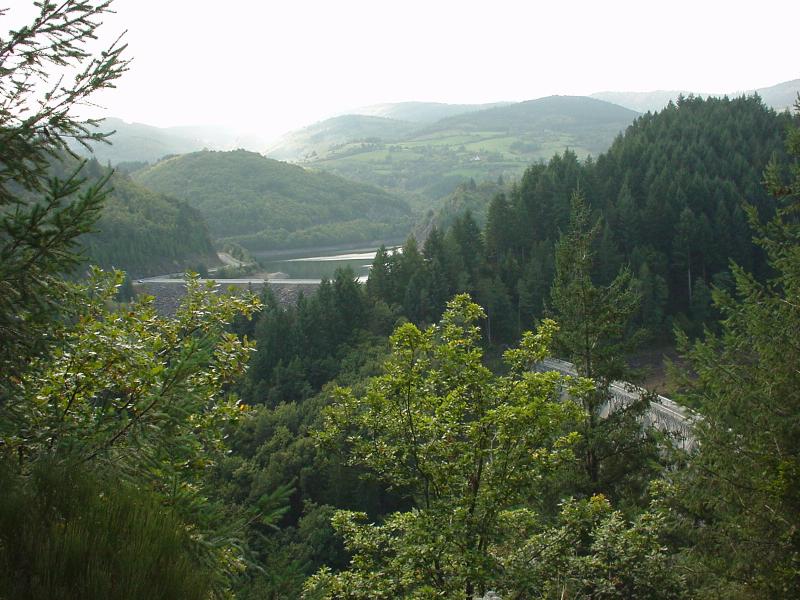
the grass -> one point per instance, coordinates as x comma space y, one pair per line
432, 165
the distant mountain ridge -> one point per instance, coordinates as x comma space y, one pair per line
780, 96
540, 114
429, 159
137, 142
422, 112
315, 140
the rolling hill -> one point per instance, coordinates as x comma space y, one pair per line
422, 112
329, 135
141, 231
263, 204
780, 96
137, 142
429, 160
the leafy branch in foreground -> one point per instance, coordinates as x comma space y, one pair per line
593, 552
468, 446
128, 385
138, 398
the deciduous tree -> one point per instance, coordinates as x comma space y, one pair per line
468, 446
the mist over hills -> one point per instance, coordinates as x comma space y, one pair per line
422, 112
262, 203
429, 159
413, 123
780, 96
137, 142
573, 114
317, 140
418, 151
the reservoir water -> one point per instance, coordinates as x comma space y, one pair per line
311, 264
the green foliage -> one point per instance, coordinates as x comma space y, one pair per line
594, 552
36, 118
69, 533
127, 386
146, 233
139, 398
458, 202
41, 216
742, 486
272, 452
261, 203
596, 334
111, 419
594, 319
300, 348
468, 445
431, 159
670, 192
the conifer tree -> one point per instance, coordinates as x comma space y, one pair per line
595, 334
497, 229
41, 216
743, 486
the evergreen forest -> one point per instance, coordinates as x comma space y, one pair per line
403, 437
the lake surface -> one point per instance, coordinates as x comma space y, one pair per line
311, 264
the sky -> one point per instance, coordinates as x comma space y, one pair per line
269, 66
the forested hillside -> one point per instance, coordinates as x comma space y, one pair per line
434, 157
407, 438
261, 203
569, 264
147, 233
668, 196
138, 231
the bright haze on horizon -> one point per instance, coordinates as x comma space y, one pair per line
269, 67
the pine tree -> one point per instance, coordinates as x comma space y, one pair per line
466, 237
378, 283
41, 216
442, 278
743, 486
497, 229
595, 333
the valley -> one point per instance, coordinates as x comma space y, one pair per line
525, 341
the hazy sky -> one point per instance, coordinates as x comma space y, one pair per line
276, 65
